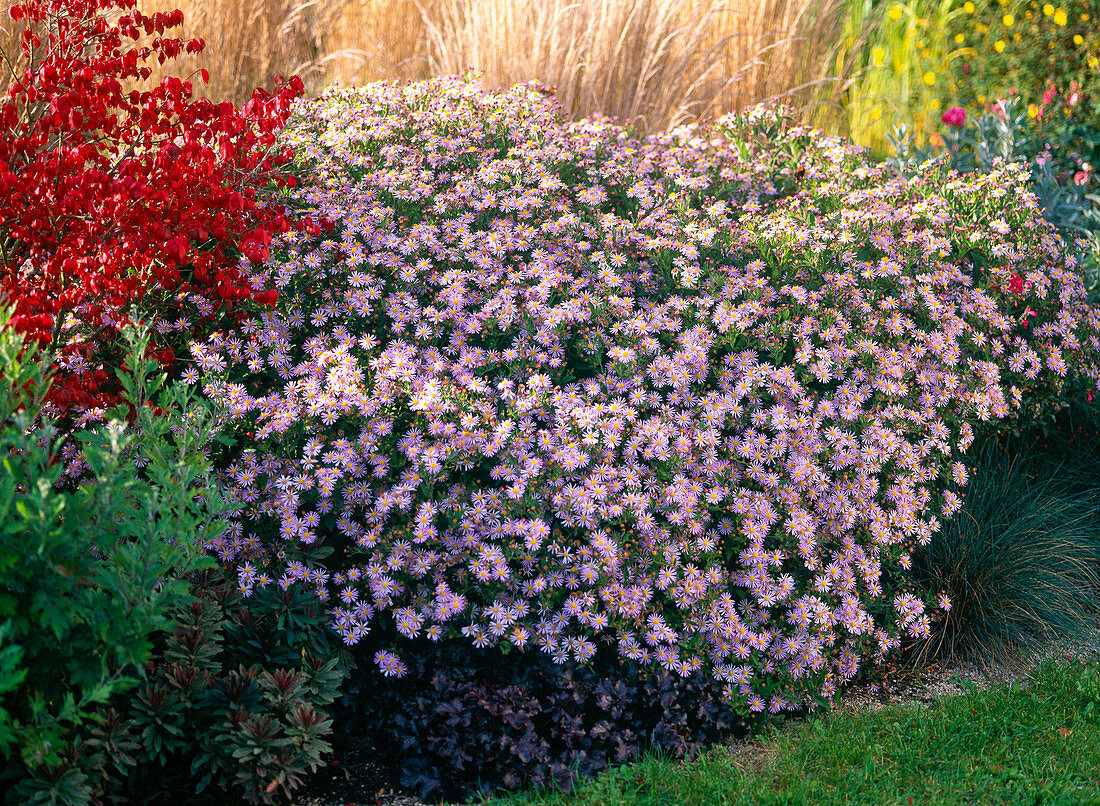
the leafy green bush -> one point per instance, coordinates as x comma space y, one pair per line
11, 676
1066, 445
233, 704
1020, 562
129, 666
88, 576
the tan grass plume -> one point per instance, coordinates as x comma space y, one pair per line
654, 62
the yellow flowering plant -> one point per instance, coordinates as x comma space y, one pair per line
907, 67
1047, 54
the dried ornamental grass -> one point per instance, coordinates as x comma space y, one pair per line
545, 385
381, 40
250, 42
655, 62
641, 61
784, 50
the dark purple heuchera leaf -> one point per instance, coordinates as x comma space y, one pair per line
531, 748
465, 720
421, 775
610, 696
626, 746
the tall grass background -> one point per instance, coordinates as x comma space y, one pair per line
656, 63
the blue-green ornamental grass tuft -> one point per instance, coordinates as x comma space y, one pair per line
1020, 562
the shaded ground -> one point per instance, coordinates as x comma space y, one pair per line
354, 777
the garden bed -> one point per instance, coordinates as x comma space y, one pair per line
526, 447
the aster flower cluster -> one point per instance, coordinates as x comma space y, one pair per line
546, 385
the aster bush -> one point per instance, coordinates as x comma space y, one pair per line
547, 386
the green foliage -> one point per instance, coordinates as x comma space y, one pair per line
1020, 563
233, 706
1088, 686
128, 663
1067, 446
88, 576
1006, 134
12, 676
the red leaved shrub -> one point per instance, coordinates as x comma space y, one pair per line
111, 199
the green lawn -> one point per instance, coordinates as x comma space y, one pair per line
1034, 742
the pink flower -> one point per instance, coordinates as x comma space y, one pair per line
1080, 178
1048, 96
955, 116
